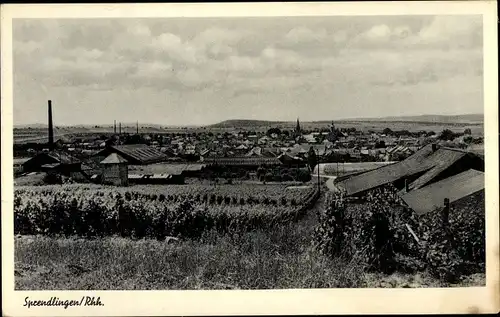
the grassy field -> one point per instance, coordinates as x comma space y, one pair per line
257, 260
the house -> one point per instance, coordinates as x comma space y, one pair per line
56, 161
115, 170
243, 162
288, 160
263, 140
310, 138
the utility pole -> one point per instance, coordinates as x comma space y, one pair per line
137, 127
318, 162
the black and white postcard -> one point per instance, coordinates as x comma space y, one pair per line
198, 159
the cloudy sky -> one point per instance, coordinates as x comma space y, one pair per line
178, 71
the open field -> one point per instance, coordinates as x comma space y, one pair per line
334, 169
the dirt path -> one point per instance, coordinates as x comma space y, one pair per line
331, 179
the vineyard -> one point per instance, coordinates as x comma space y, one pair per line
386, 236
156, 211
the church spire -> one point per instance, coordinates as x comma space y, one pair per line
297, 128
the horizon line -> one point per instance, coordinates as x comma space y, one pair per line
133, 124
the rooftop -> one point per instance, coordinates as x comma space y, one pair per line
424, 160
432, 197
140, 152
114, 158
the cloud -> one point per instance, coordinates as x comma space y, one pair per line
304, 35
453, 31
442, 32
103, 54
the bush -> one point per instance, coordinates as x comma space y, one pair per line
52, 179
375, 233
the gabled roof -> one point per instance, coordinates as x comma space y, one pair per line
256, 151
140, 153
444, 158
58, 157
425, 160
418, 162
114, 158
432, 197
241, 147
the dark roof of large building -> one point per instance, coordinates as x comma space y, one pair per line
424, 160
430, 198
242, 160
58, 156
443, 159
137, 153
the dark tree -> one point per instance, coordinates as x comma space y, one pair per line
380, 145
312, 159
273, 131
467, 131
387, 131
447, 135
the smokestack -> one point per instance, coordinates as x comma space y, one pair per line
137, 127
114, 127
51, 128
120, 128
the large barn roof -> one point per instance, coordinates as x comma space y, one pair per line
432, 197
58, 156
139, 153
443, 159
387, 174
242, 160
424, 160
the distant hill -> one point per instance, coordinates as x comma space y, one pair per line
438, 119
464, 118
246, 123
243, 123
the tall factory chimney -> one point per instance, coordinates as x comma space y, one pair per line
120, 128
114, 128
51, 128
137, 127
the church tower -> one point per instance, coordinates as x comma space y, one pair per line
298, 132
332, 135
